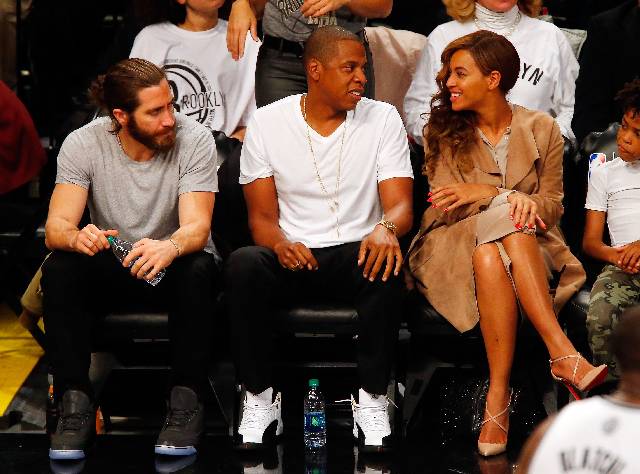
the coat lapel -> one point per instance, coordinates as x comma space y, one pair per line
521, 152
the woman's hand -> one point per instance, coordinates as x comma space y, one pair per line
524, 211
455, 195
241, 20
316, 8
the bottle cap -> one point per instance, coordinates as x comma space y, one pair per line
313, 383
110, 239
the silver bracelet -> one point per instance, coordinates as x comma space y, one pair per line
176, 246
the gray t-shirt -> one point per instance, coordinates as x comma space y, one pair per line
282, 18
139, 199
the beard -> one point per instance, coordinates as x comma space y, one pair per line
160, 143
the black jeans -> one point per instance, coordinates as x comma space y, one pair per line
78, 288
256, 282
280, 74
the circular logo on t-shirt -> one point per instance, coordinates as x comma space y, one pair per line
192, 92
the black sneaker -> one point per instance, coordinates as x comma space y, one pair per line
76, 427
183, 425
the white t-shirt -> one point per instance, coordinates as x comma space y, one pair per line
547, 80
592, 436
614, 188
208, 85
375, 148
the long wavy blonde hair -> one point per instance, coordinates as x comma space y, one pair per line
463, 10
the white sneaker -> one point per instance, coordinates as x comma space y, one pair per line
371, 425
260, 419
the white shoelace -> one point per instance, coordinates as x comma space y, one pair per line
255, 416
373, 418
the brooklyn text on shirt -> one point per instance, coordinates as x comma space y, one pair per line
591, 459
530, 74
193, 94
289, 7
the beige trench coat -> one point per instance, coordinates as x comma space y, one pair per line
439, 259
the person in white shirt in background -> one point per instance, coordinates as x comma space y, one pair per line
328, 183
548, 69
598, 435
614, 196
207, 84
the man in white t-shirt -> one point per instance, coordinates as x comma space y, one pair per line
600, 434
207, 84
614, 196
328, 184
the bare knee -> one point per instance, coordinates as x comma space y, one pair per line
486, 257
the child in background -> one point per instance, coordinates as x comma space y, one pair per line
614, 196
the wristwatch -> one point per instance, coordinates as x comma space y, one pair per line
389, 225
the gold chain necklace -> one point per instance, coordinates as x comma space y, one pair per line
334, 204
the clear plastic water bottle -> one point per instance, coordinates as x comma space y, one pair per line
121, 249
315, 462
315, 428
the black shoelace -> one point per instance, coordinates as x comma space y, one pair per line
75, 421
179, 417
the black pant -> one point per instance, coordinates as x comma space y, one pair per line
256, 282
281, 73
77, 288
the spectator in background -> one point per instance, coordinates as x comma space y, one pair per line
610, 57
207, 84
287, 24
614, 197
489, 243
8, 38
548, 69
21, 154
599, 434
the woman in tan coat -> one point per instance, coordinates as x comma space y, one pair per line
489, 242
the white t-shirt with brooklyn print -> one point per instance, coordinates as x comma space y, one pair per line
547, 79
208, 85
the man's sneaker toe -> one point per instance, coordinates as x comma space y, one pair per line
169, 450
66, 454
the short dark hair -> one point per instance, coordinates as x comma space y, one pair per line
629, 97
625, 340
119, 87
321, 45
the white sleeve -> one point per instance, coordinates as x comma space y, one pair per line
254, 163
393, 159
140, 47
417, 102
564, 93
597, 190
249, 73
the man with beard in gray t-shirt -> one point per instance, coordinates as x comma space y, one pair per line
148, 176
287, 24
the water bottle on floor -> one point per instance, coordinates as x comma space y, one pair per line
121, 249
315, 429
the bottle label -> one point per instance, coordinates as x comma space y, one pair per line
314, 422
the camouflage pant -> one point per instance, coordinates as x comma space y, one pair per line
613, 291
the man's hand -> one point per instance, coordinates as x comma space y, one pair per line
524, 211
90, 240
241, 19
455, 195
379, 248
629, 258
295, 256
316, 8
152, 257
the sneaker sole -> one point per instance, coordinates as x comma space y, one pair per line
175, 450
66, 454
